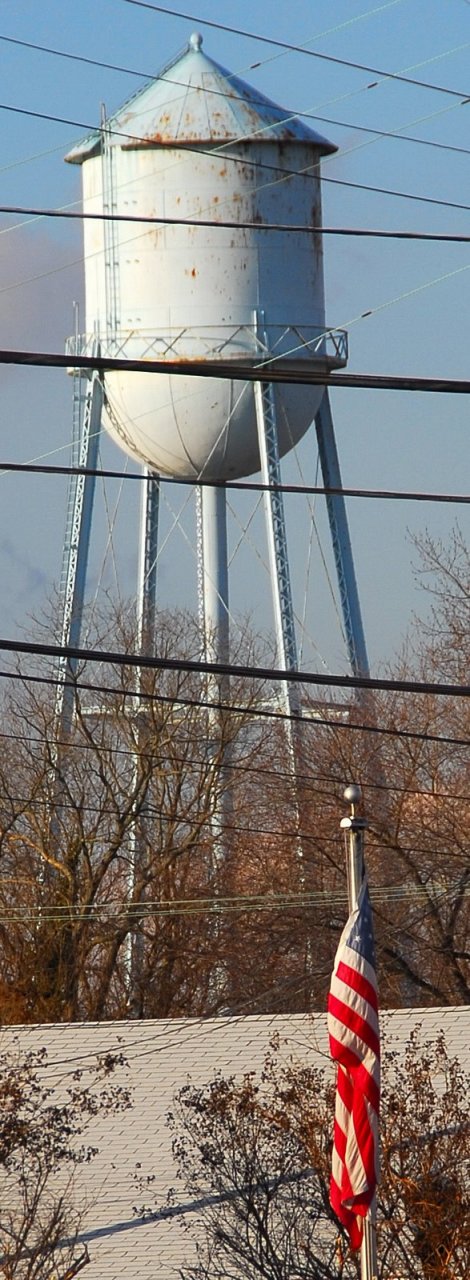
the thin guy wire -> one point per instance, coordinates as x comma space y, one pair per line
290, 114
205, 907
105, 749
308, 173
198, 826
313, 53
258, 713
143, 75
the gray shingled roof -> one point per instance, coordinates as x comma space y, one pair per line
161, 1057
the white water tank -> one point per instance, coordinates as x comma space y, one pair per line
198, 143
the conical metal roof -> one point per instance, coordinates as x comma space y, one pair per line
194, 100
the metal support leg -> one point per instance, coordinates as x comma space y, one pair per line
76, 548
215, 573
211, 511
148, 551
212, 575
145, 643
200, 570
277, 540
342, 551
86, 436
283, 611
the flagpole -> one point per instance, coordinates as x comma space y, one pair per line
356, 826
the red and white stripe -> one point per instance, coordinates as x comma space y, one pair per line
353, 1028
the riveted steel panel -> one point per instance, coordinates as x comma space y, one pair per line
193, 292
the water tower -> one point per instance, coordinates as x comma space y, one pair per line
211, 163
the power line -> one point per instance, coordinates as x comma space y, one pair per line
396, 495
180, 1032
386, 133
259, 713
186, 666
290, 113
310, 53
265, 371
80, 57
107, 913
373, 311
197, 824
309, 780
384, 191
309, 174
404, 296
281, 833
283, 178
297, 228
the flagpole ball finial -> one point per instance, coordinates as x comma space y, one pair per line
353, 793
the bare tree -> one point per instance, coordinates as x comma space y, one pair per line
256, 1155
117, 845
410, 754
43, 1144
166, 861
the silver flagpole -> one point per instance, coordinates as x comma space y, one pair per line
355, 873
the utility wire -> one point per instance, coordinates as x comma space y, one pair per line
197, 824
297, 228
283, 45
150, 75
385, 133
105, 749
197, 828
221, 906
219, 149
364, 315
308, 174
250, 486
265, 371
310, 53
290, 113
73, 653
260, 713
389, 191
176, 1033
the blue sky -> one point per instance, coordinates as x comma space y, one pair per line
417, 293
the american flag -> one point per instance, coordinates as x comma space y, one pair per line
353, 1028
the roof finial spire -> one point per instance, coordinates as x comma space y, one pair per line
195, 40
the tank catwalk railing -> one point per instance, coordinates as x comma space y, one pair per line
284, 342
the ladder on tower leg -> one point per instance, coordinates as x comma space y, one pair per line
77, 541
201, 612
265, 403
148, 556
110, 234
77, 414
342, 551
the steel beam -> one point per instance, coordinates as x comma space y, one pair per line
342, 550
277, 538
76, 549
147, 570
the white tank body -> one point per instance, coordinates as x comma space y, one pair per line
194, 292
